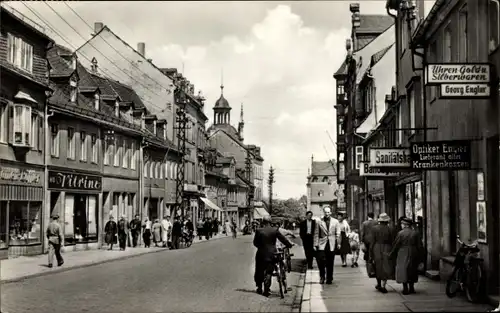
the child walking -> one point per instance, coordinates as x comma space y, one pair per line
355, 246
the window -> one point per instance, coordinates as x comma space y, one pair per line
340, 87
74, 89
25, 222
162, 170
54, 140
117, 152
19, 53
359, 156
71, 143
97, 101
447, 45
165, 131
109, 150
20, 120
125, 153
133, 156
83, 146
36, 132
80, 217
400, 124
4, 128
463, 40
94, 148
494, 21
146, 170
411, 100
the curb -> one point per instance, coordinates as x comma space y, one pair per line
299, 293
66, 269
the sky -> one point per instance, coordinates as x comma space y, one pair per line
275, 58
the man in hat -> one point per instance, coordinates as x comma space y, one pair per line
265, 240
326, 240
55, 240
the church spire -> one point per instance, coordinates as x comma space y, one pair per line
241, 124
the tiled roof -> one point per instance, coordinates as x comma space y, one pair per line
228, 129
379, 55
374, 23
104, 85
59, 66
323, 192
328, 168
126, 93
342, 69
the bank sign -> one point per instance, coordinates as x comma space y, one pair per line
365, 170
458, 80
390, 158
441, 155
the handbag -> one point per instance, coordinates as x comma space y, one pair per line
370, 269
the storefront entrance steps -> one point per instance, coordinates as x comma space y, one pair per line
16, 269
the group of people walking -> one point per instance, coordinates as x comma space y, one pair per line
390, 252
164, 233
209, 227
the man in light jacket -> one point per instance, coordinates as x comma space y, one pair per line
326, 240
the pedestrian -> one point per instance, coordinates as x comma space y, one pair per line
408, 252
122, 232
157, 232
110, 230
199, 228
215, 226
355, 246
135, 229
234, 229
189, 228
345, 229
54, 236
227, 227
326, 240
207, 228
307, 228
383, 237
146, 234
166, 231
265, 240
366, 234
176, 233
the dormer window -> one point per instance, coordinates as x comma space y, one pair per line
165, 131
19, 53
97, 101
74, 90
117, 108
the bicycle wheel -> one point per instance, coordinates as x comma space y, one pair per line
473, 283
453, 283
280, 281
288, 262
283, 277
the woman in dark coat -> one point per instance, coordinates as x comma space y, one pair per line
383, 237
408, 252
345, 230
110, 231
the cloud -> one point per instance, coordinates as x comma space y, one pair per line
274, 60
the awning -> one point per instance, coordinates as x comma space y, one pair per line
259, 213
209, 203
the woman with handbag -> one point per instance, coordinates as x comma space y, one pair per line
408, 252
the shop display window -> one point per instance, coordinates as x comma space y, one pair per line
3, 225
24, 222
80, 218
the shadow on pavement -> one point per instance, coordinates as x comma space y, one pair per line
298, 265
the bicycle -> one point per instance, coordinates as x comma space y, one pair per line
467, 272
279, 273
186, 240
288, 259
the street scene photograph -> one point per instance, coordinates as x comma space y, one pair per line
250, 156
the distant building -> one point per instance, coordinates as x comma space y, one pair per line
322, 188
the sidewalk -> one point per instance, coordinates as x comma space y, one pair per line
353, 291
16, 269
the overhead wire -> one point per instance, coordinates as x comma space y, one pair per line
101, 53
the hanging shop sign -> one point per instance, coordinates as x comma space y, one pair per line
457, 73
74, 181
20, 175
366, 170
453, 91
441, 155
390, 157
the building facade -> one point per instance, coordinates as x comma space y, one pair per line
322, 186
23, 62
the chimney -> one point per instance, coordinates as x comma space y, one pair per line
141, 48
98, 26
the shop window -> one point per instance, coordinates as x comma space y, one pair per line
24, 222
71, 143
83, 146
19, 53
133, 156
3, 224
4, 128
94, 148
54, 140
20, 125
80, 218
494, 21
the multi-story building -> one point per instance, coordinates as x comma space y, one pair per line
456, 202
216, 189
228, 168
371, 39
229, 141
322, 187
23, 62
